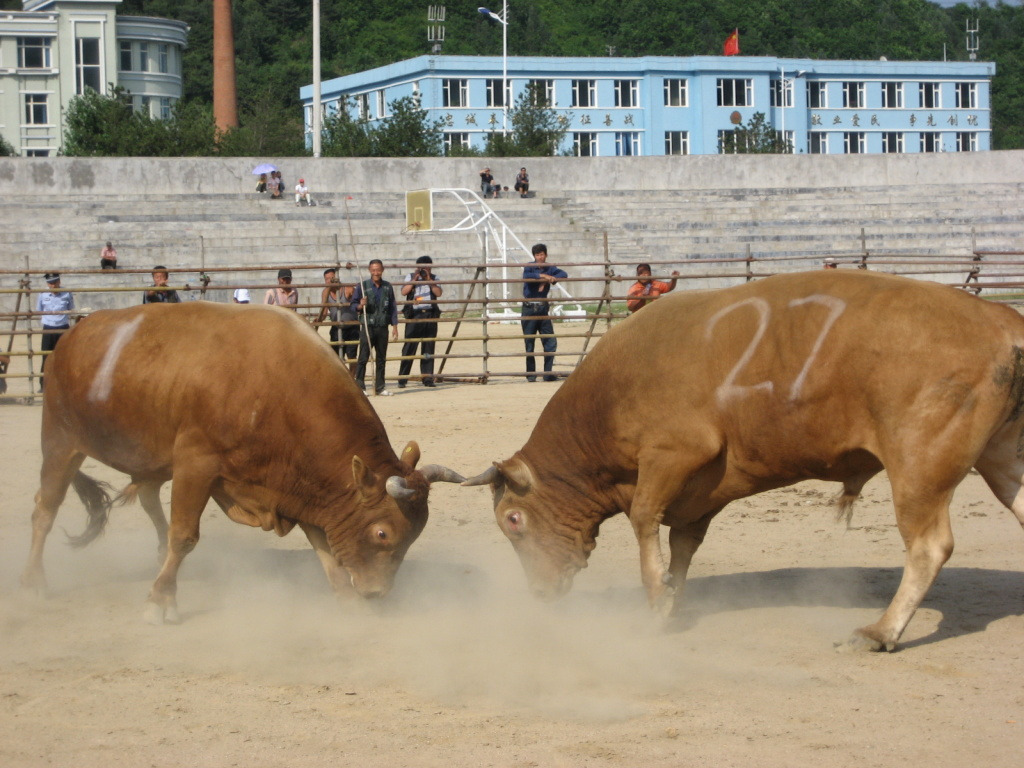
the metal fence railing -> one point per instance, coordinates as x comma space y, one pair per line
477, 338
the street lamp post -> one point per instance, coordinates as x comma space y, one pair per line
317, 127
503, 20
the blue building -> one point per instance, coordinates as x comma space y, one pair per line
661, 105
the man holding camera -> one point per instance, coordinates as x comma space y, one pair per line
421, 292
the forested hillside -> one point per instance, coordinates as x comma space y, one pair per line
273, 38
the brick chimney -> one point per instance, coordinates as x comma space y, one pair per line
225, 99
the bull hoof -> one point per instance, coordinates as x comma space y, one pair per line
157, 614
153, 614
860, 642
664, 603
35, 589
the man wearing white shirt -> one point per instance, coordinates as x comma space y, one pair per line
302, 192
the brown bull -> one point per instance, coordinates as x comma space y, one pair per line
712, 396
244, 405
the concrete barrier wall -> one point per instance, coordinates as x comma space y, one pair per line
74, 177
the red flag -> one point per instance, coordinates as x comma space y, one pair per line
732, 44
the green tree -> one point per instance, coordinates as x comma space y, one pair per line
100, 126
6, 150
757, 137
343, 136
537, 130
408, 131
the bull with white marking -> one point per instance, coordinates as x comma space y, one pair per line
244, 405
711, 396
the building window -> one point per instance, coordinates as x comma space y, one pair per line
930, 96
126, 56
165, 108
627, 143
363, 106
36, 112
892, 95
163, 60
143, 57
37, 153
627, 93
455, 92
543, 92
735, 93
455, 140
675, 93
855, 143
34, 53
967, 142
584, 144
382, 104
144, 104
931, 142
853, 95
966, 95
817, 143
817, 96
785, 138
892, 143
496, 95
727, 143
584, 93
782, 93
87, 65
677, 143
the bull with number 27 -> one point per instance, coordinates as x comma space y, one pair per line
243, 405
706, 397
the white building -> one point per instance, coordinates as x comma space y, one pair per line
52, 50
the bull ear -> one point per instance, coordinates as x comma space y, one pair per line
364, 478
517, 474
411, 454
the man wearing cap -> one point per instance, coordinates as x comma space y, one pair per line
284, 295
159, 293
421, 292
374, 302
302, 192
241, 296
830, 264
53, 305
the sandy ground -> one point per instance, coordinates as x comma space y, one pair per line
460, 667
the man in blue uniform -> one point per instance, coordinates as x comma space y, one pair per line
53, 303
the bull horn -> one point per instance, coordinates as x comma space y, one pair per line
488, 477
435, 473
398, 490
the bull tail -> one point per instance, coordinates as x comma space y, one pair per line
844, 506
95, 495
127, 495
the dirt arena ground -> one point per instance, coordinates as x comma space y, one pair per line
461, 667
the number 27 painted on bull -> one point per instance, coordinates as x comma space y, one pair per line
729, 388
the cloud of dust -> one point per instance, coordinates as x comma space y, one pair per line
460, 626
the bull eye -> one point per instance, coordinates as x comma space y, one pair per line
515, 520
382, 534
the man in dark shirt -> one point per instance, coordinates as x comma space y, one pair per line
373, 301
538, 278
159, 293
